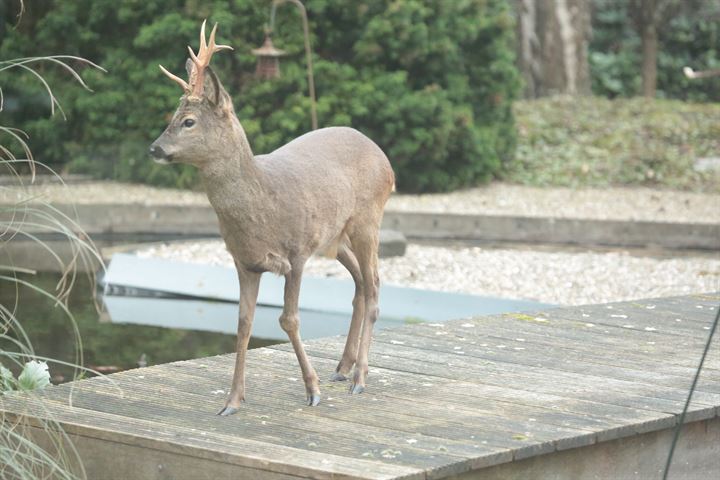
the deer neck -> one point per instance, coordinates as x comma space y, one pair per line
232, 179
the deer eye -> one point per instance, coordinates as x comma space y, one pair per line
188, 122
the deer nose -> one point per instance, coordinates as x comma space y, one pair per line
157, 152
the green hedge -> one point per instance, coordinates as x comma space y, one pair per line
597, 142
431, 82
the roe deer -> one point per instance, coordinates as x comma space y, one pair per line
324, 191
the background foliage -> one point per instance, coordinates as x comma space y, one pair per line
691, 38
431, 82
596, 142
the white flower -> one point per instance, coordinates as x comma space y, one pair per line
34, 376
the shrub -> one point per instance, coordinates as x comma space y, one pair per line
431, 82
591, 141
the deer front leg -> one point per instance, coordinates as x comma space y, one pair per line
249, 284
290, 322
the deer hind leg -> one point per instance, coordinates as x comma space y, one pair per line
249, 283
290, 322
347, 258
366, 250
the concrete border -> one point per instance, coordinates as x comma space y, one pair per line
134, 219
497, 228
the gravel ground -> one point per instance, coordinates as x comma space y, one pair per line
103, 193
602, 204
495, 199
551, 277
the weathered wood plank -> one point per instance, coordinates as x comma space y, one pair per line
418, 389
379, 412
442, 399
340, 413
274, 422
655, 322
225, 448
438, 364
623, 334
162, 410
615, 392
554, 358
470, 409
508, 338
589, 337
120, 461
693, 308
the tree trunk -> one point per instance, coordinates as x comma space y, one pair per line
649, 61
553, 37
528, 46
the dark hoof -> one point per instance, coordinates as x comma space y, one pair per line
337, 377
356, 388
313, 400
227, 411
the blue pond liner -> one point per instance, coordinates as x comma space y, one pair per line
210, 293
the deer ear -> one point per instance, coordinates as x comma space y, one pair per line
215, 92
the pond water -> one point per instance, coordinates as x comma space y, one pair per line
106, 346
140, 325
137, 327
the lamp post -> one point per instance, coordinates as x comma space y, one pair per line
268, 65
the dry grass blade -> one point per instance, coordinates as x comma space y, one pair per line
11, 324
57, 59
53, 101
18, 135
63, 306
16, 270
83, 249
23, 63
20, 456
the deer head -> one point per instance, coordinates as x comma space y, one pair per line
199, 129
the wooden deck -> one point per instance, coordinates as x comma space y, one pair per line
442, 399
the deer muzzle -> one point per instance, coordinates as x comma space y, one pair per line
158, 154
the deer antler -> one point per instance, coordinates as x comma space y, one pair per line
201, 60
177, 79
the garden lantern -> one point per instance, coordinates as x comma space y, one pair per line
268, 64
